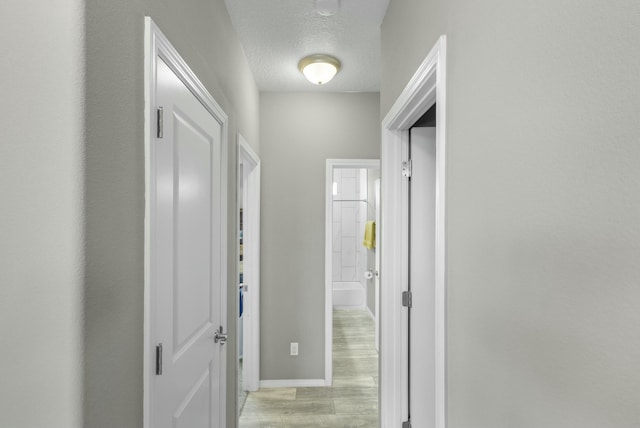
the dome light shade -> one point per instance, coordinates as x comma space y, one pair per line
319, 69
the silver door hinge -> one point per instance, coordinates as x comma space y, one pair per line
406, 169
406, 299
159, 359
160, 122
406, 424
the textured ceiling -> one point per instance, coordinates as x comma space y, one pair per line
276, 34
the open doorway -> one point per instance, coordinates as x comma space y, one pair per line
350, 256
248, 296
351, 274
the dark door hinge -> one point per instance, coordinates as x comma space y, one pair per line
160, 122
159, 359
406, 299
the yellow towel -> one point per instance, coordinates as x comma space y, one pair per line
369, 235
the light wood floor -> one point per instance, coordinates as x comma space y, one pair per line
352, 401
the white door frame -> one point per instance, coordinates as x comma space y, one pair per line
328, 256
158, 46
426, 86
250, 177
376, 278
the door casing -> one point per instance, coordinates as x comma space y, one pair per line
250, 176
377, 268
157, 46
427, 85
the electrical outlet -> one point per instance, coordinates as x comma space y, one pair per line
294, 348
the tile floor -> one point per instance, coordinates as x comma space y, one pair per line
352, 401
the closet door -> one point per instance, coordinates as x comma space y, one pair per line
186, 258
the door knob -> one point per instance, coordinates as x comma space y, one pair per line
219, 336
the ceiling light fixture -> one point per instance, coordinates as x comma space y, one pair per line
319, 68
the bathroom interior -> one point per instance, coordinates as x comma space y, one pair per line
353, 253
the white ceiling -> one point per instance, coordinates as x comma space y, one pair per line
276, 34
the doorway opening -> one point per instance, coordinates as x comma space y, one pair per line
352, 260
248, 295
351, 272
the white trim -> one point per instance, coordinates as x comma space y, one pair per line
251, 203
347, 307
247, 151
426, 86
158, 46
328, 256
373, 317
292, 383
376, 279
393, 242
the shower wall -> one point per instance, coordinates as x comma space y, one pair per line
349, 217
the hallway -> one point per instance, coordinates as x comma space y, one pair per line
352, 401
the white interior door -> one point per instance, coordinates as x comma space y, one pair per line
186, 249
422, 276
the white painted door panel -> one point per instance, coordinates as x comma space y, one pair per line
186, 261
422, 277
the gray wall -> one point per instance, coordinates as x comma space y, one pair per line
299, 131
543, 215
72, 234
41, 231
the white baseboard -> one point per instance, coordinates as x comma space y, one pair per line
292, 383
347, 307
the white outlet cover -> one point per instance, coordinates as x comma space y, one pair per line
294, 348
